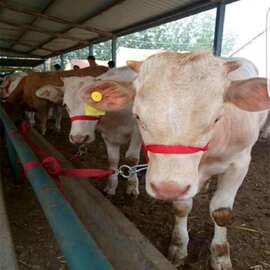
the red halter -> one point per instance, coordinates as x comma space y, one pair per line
174, 149
84, 118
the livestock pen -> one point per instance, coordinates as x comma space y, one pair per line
121, 231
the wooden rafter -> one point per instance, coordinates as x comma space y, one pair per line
55, 19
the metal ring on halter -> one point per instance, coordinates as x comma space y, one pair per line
128, 171
82, 149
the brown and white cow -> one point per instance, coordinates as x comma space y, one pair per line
117, 128
24, 94
184, 105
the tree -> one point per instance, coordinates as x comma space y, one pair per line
188, 34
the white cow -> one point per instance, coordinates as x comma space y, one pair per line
199, 116
117, 128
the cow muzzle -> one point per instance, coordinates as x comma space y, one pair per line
169, 190
80, 139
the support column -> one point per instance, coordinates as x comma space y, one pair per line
219, 29
91, 49
62, 61
114, 40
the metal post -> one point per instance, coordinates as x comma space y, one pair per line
44, 66
91, 49
78, 247
114, 41
62, 61
219, 29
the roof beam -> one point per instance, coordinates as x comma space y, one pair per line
43, 31
55, 19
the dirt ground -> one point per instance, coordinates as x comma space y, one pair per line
249, 235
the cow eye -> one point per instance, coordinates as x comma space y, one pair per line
136, 116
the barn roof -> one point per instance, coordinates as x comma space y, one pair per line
45, 28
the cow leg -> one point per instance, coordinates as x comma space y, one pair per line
133, 158
178, 249
31, 118
113, 152
43, 121
58, 118
221, 211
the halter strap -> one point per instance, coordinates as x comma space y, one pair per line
84, 118
174, 149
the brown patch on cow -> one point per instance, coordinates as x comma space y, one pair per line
131, 161
231, 66
223, 216
221, 250
181, 211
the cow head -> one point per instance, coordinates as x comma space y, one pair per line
180, 100
82, 131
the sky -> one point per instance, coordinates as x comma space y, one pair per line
246, 19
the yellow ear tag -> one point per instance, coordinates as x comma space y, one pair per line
90, 110
96, 96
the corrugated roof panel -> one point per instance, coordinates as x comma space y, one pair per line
41, 52
35, 37
21, 48
15, 17
82, 34
49, 25
131, 12
81, 9
4, 44
59, 44
30, 4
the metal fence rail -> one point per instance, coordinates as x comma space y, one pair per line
77, 246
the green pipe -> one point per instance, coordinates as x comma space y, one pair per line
12, 155
77, 246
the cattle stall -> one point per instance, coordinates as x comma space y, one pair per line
119, 232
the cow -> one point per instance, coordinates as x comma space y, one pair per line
9, 83
199, 116
24, 94
117, 128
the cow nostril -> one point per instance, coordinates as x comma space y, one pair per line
85, 138
169, 190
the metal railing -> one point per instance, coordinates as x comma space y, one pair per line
78, 247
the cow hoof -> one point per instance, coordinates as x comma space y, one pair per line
220, 257
176, 255
133, 191
221, 263
109, 190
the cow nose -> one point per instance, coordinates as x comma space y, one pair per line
169, 190
79, 139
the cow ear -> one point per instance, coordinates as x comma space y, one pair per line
135, 65
249, 95
50, 93
108, 95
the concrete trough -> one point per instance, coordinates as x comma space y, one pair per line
120, 241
